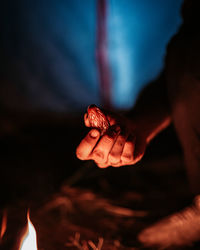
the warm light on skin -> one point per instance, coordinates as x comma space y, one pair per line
29, 240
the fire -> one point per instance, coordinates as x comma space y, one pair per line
29, 240
3, 224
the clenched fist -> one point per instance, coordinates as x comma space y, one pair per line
112, 141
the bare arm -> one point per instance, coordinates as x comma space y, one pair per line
151, 113
124, 143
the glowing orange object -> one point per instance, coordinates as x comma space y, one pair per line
97, 119
29, 240
3, 224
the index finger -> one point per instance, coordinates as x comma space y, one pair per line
86, 146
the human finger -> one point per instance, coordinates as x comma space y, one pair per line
111, 119
86, 120
102, 149
114, 156
139, 151
86, 146
102, 165
127, 156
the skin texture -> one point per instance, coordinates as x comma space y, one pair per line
116, 140
116, 146
175, 96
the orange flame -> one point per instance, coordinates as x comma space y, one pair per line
3, 224
29, 240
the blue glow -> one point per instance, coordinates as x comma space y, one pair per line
50, 55
49, 51
138, 32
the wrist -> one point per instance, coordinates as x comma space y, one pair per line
149, 126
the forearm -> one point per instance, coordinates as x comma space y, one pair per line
151, 124
151, 113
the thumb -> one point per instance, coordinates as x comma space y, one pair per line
86, 120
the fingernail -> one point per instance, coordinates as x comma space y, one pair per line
94, 133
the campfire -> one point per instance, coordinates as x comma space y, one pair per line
29, 239
96, 209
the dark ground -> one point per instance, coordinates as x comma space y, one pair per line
69, 199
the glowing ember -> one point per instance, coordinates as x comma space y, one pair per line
29, 240
3, 224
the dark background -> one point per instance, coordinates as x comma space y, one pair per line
48, 77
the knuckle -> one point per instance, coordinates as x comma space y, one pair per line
113, 158
98, 156
127, 157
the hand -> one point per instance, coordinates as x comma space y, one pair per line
122, 144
